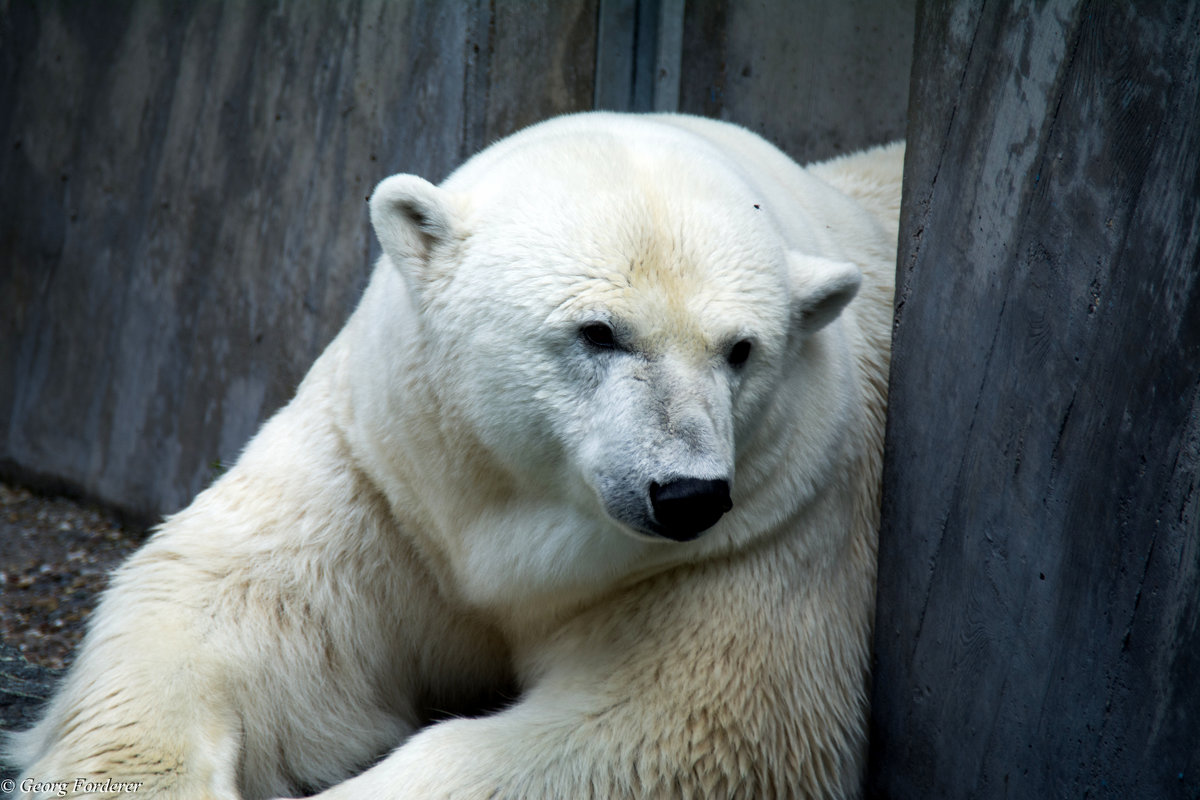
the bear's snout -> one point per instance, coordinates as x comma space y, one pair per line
686, 507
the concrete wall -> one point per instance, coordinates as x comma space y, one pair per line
1039, 561
817, 79
182, 226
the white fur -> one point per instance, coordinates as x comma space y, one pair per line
454, 504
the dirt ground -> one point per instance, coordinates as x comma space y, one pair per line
55, 556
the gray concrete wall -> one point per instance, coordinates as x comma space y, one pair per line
1039, 560
182, 226
817, 79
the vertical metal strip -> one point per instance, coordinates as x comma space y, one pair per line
639, 50
669, 56
616, 31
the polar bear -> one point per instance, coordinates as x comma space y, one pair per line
581, 502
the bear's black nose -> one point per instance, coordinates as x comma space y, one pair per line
687, 506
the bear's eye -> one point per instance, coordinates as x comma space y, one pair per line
597, 334
739, 353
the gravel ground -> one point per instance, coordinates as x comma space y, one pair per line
55, 556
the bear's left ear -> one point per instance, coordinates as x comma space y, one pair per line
411, 217
821, 288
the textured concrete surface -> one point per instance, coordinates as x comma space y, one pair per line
818, 79
183, 227
1039, 584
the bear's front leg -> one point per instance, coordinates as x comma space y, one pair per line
548, 749
511, 755
667, 692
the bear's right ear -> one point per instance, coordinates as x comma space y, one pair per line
411, 217
821, 288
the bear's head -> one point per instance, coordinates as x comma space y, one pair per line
618, 327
